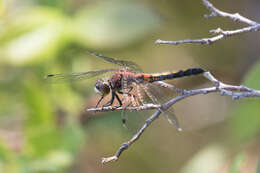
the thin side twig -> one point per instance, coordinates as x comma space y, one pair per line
236, 17
236, 92
220, 34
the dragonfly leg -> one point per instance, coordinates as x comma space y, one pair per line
123, 118
111, 101
118, 99
99, 101
123, 115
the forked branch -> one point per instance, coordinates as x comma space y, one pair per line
236, 92
219, 33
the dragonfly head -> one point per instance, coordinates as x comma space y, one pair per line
102, 87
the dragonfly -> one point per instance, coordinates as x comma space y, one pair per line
129, 81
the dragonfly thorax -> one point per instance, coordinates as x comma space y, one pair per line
121, 80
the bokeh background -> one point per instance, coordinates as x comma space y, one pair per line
44, 128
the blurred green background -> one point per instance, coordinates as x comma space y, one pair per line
44, 128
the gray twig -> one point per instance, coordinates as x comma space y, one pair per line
236, 17
220, 34
236, 92
113, 108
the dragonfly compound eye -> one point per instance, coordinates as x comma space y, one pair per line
102, 87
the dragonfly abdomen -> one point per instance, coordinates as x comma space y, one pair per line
170, 75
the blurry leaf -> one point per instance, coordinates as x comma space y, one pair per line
29, 19
237, 163
40, 120
49, 148
34, 35
114, 24
39, 107
66, 98
60, 158
245, 122
56, 161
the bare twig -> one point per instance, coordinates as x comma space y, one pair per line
127, 144
236, 92
112, 108
235, 17
254, 26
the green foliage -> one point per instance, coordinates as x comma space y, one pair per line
34, 35
114, 24
245, 122
42, 38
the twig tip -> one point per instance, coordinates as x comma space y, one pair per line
108, 159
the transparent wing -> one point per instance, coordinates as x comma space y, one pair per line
159, 96
122, 63
70, 77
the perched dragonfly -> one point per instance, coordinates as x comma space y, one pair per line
124, 80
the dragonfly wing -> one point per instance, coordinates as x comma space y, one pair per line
158, 96
121, 63
169, 114
70, 77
